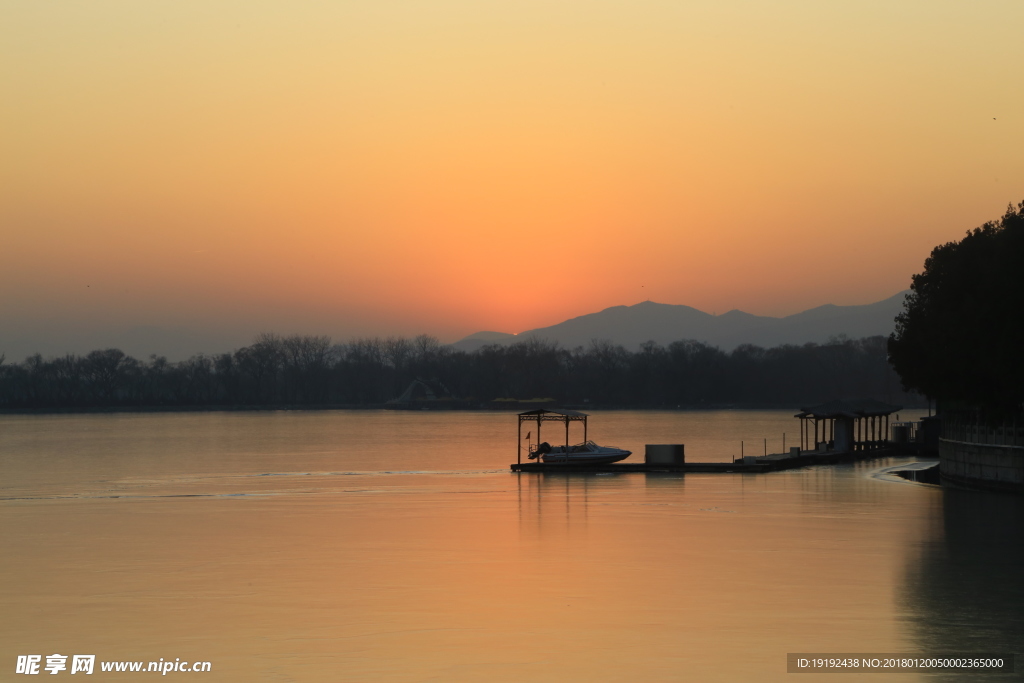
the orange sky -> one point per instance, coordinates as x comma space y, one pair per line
450, 166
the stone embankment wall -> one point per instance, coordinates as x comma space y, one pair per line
983, 457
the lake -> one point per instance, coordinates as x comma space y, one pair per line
397, 546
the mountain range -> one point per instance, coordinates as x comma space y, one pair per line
633, 325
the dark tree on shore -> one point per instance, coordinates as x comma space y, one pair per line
960, 337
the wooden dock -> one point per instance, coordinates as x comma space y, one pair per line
749, 465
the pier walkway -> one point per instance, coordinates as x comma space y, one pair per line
748, 465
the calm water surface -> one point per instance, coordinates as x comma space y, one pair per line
386, 546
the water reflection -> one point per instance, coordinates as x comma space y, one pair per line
562, 497
965, 592
569, 495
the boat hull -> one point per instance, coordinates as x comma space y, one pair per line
600, 458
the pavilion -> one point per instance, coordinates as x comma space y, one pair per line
846, 426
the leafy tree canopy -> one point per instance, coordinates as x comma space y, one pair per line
960, 337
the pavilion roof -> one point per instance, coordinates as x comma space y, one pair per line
556, 413
861, 407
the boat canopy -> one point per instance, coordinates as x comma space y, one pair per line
544, 415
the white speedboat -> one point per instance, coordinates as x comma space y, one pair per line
586, 453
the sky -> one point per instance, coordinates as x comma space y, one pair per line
216, 169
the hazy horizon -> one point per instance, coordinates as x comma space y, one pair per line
57, 338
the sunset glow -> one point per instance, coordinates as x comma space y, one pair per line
450, 166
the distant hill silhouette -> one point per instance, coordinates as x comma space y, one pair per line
631, 326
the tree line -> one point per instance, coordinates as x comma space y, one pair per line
314, 371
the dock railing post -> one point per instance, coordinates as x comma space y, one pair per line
519, 443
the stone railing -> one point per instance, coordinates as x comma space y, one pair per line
983, 456
1003, 435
